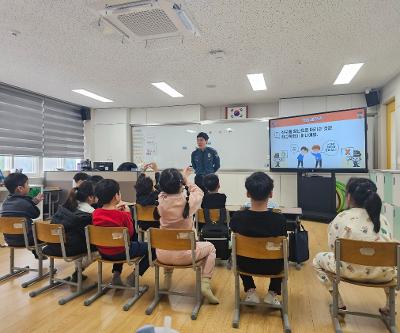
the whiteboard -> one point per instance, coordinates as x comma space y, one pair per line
241, 144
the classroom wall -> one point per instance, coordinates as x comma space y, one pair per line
388, 92
261, 110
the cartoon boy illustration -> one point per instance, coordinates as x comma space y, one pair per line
356, 158
300, 158
277, 159
315, 151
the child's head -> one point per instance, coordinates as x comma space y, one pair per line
144, 185
17, 183
316, 148
95, 179
211, 182
171, 182
259, 186
304, 150
80, 177
362, 193
107, 192
83, 193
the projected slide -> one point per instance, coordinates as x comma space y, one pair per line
331, 140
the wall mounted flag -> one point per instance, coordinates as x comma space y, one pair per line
236, 112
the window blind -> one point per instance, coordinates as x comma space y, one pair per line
63, 130
21, 123
34, 125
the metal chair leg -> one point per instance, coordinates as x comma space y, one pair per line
139, 291
14, 271
52, 284
199, 297
335, 307
101, 290
157, 295
236, 311
285, 306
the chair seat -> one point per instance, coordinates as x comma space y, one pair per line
158, 263
392, 283
281, 275
67, 257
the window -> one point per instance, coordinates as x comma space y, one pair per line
2, 162
51, 164
28, 164
71, 164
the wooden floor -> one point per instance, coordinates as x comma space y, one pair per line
308, 303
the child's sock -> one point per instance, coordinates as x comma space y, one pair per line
167, 279
116, 279
207, 292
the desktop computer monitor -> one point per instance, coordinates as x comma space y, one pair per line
103, 166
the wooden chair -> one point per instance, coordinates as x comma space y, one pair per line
55, 234
375, 254
174, 240
18, 226
261, 248
113, 237
143, 214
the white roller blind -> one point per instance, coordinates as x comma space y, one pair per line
21, 123
63, 130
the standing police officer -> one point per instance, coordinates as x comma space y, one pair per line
205, 160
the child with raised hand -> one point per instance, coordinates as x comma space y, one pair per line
146, 191
19, 204
115, 214
178, 201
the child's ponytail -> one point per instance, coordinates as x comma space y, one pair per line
373, 206
186, 209
71, 203
156, 214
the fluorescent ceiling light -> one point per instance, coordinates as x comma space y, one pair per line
92, 95
257, 81
347, 73
167, 89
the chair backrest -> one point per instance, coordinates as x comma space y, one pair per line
214, 215
12, 225
144, 213
49, 233
171, 239
107, 236
259, 248
383, 254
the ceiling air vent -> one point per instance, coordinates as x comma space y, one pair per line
148, 19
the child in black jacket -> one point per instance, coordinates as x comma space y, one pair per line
75, 214
19, 204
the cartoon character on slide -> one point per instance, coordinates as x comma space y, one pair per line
315, 151
300, 158
356, 158
277, 159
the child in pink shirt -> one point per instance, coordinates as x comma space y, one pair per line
177, 203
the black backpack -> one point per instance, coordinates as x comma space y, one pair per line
298, 245
217, 232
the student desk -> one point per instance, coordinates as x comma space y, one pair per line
51, 199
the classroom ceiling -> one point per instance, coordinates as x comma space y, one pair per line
300, 46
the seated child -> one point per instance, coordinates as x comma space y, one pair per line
75, 214
178, 201
213, 199
113, 214
94, 180
258, 221
79, 178
362, 221
147, 193
19, 204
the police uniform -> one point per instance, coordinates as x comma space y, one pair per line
205, 162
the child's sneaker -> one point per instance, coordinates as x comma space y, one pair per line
272, 298
116, 279
251, 296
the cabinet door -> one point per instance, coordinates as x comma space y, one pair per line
396, 223
380, 184
388, 185
388, 212
396, 189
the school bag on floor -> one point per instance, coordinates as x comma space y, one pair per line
217, 233
298, 245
